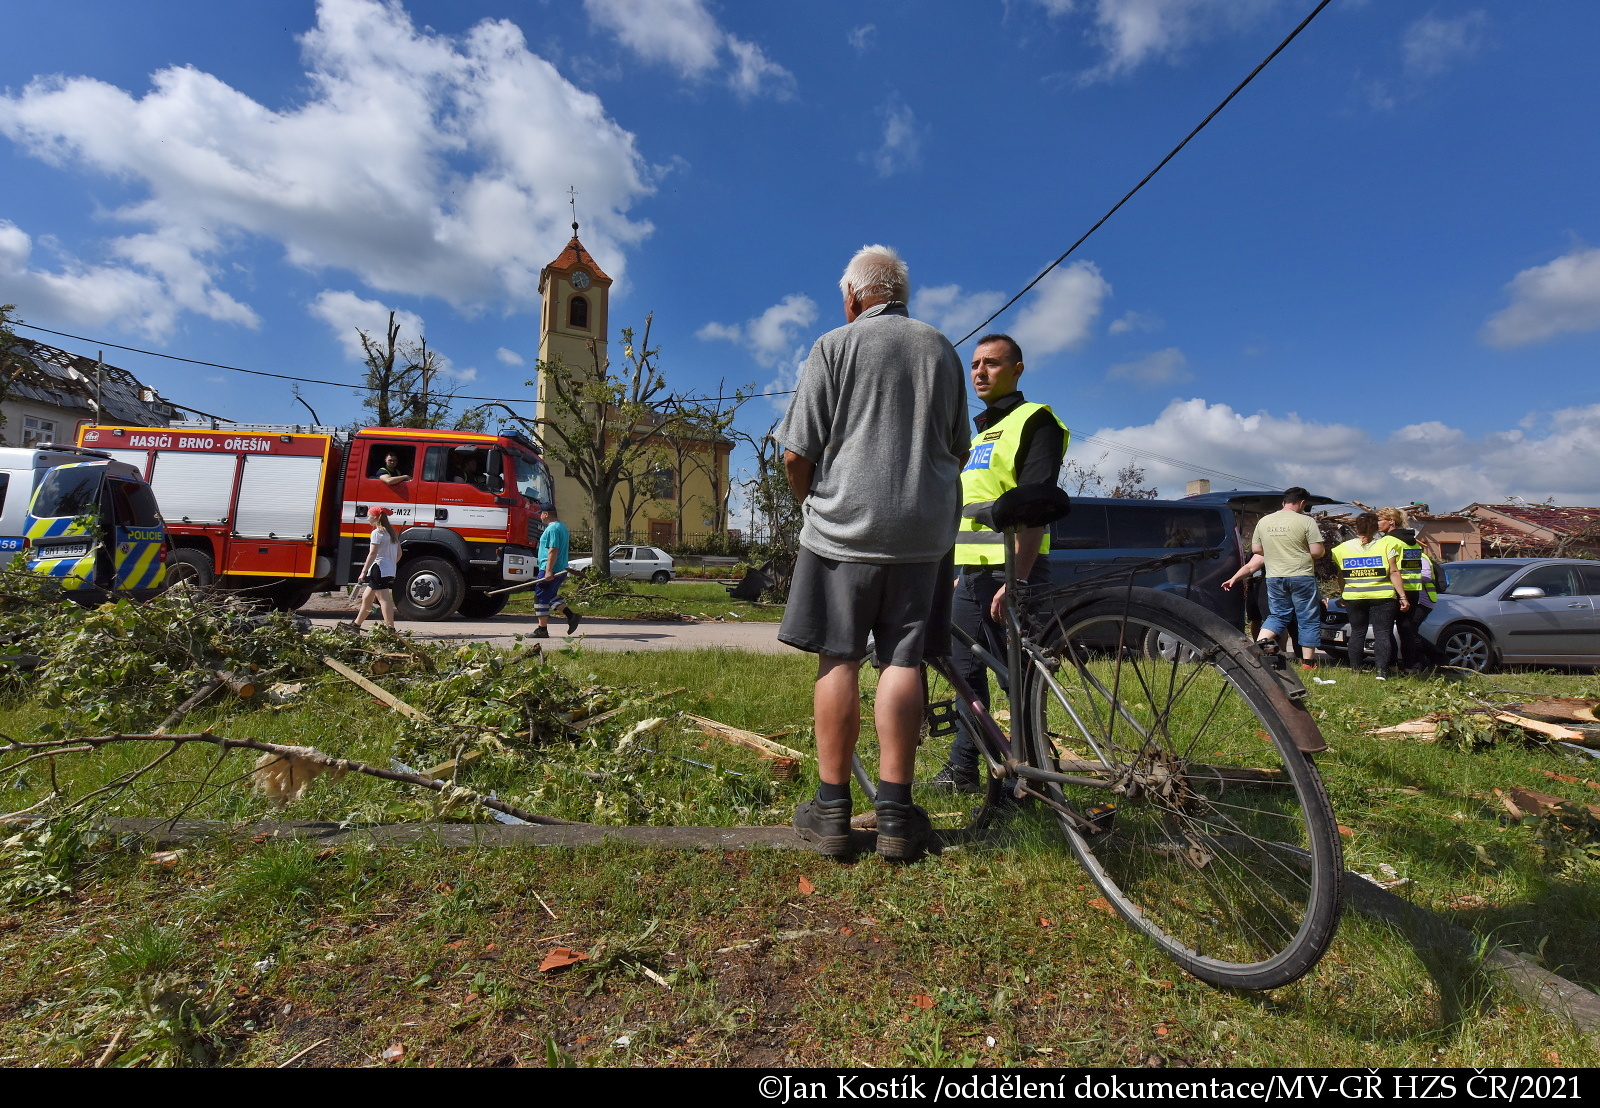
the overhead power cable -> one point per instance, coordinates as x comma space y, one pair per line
1173, 153
231, 368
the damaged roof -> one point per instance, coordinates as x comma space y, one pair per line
50, 375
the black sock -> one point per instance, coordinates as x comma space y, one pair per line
894, 793
826, 791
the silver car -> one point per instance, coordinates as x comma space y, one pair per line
635, 563
1517, 610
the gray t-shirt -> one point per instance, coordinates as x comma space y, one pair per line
881, 408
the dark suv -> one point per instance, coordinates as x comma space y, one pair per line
1102, 533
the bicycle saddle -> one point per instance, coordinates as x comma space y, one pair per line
1036, 505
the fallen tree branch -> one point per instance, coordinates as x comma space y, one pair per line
743, 738
89, 743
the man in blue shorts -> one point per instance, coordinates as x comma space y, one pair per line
553, 545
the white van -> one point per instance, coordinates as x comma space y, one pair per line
21, 470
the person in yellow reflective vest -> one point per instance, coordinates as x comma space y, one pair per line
1373, 592
1392, 525
1017, 443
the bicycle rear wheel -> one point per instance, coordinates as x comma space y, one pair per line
1212, 833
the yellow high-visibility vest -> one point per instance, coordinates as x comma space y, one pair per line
991, 470
1410, 563
1365, 567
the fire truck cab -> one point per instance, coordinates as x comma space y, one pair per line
279, 513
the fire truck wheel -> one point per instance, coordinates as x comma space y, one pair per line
291, 598
428, 589
479, 605
194, 566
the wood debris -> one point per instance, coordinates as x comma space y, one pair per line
765, 747
378, 691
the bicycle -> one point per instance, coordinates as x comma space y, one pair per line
1174, 755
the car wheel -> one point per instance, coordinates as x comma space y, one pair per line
191, 565
1468, 647
428, 589
1162, 646
660, 577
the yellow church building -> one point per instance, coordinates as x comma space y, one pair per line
684, 495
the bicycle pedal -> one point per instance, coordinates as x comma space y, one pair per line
942, 717
1100, 818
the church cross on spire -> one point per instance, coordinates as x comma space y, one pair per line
572, 198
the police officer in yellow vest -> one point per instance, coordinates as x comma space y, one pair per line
1017, 443
1418, 576
1373, 592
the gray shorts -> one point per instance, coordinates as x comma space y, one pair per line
833, 607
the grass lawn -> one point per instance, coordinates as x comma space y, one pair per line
696, 599
248, 953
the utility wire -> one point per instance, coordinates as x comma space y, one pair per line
1304, 23
1240, 87
232, 368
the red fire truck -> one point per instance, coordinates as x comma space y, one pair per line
280, 514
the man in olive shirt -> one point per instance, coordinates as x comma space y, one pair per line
1288, 542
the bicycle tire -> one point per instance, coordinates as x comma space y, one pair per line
1236, 875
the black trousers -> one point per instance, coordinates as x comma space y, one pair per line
970, 612
1381, 615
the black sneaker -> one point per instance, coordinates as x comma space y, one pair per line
904, 831
539, 633
573, 619
951, 780
826, 823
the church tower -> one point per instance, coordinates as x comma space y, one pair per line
574, 314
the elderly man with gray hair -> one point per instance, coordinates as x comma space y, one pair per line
875, 437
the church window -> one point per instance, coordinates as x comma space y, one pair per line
578, 312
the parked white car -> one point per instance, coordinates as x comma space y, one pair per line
635, 563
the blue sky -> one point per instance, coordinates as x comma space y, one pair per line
1373, 274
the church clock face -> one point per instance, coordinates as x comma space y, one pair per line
580, 280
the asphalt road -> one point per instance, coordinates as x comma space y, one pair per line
593, 634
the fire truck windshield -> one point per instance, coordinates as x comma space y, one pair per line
533, 479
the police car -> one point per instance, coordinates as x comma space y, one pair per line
91, 523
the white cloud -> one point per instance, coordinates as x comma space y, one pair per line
1432, 462
348, 313
679, 33
902, 139
1135, 321
1433, 44
772, 335
860, 38
1549, 300
684, 35
1164, 367
509, 357
755, 73
146, 296
952, 310
421, 163
1133, 32
1059, 313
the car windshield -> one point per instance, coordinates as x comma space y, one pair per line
69, 491
1467, 579
533, 480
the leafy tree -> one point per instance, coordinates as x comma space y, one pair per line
775, 515
701, 426
1089, 480
401, 389
605, 425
